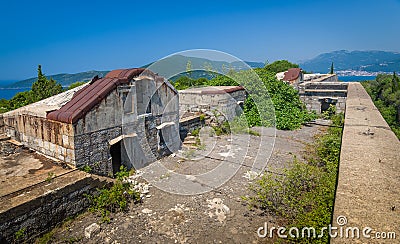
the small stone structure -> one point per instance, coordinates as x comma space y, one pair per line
317, 77
318, 96
317, 91
225, 100
130, 117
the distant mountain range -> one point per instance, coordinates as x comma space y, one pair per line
345, 63
64, 79
362, 61
173, 65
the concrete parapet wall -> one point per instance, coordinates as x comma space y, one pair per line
38, 210
368, 192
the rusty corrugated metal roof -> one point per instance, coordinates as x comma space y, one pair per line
292, 74
89, 96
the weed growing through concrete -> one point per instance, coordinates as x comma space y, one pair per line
20, 234
50, 176
86, 169
116, 198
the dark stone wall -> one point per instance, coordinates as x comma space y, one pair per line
44, 212
93, 149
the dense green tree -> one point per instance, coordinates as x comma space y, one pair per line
287, 112
331, 72
185, 82
4, 105
43, 88
189, 68
20, 99
280, 66
385, 92
75, 84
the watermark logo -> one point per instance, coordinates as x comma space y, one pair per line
340, 231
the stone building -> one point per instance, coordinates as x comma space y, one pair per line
226, 100
318, 96
317, 91
130, 117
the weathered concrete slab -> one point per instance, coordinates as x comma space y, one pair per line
368, 191
23, 169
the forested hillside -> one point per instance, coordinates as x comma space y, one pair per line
385, 92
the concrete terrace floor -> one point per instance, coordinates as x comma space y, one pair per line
21, 168
216, 216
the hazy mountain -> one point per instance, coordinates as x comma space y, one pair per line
63, 79
172, 66
370, 61
167, 68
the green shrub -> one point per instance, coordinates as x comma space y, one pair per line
202, 117
304, 194
75, 84
20, 234
328, 114
86, 169
240, 126
271, 102
385, 92
195, 132
115, 198
222, 129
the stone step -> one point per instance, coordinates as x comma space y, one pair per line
190, 146
4, 138
17, 143
189, 142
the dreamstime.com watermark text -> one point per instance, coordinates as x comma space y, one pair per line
341, 231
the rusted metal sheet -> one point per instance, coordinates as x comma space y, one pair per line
292, 74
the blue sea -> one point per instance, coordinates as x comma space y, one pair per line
355, 78
8, 93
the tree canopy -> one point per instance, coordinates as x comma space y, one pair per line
280, 66
287, 113
42, 88
385, 92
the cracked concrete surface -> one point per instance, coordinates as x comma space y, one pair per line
217, 216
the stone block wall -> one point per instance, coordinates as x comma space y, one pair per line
313, 102
93, 149
51, 138
226, 103
314, 94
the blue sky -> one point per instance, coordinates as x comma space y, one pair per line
74, 36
